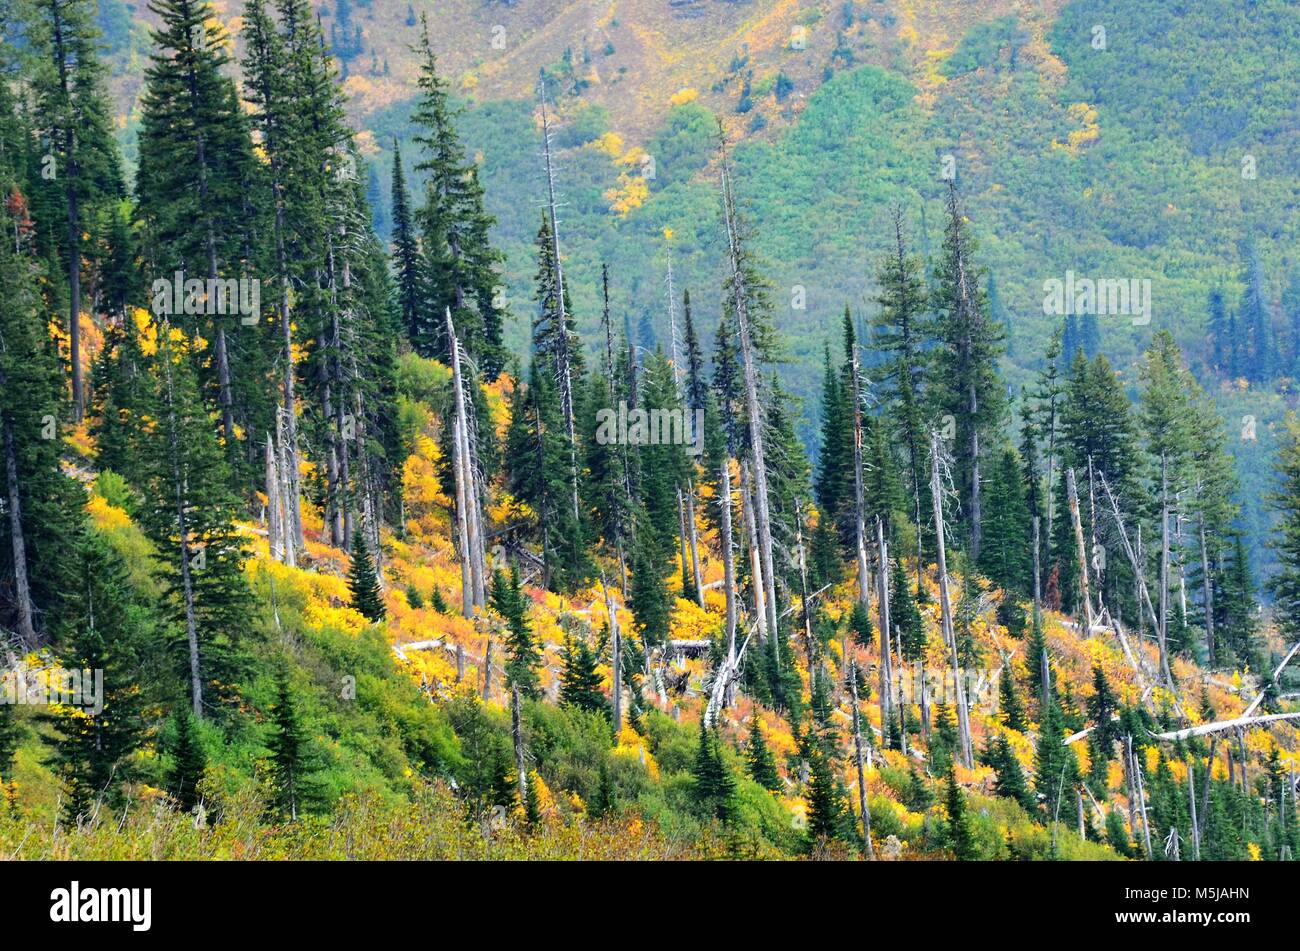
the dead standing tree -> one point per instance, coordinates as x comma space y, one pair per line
945, 604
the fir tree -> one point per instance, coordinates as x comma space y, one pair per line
522, 654
189, 517
759, 759
290, 763
73, 113
1009, 779
460, 264
1013, 711
579, 680
93, 748
363, 581
965, 381
961, 833
189, 761
713, 786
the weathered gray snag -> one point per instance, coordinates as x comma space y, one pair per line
1072, 494
945, 605
862, 776
753, 406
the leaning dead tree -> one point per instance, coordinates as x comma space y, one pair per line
1072, 496
469, 509
1220, 726
945, 604
753, 406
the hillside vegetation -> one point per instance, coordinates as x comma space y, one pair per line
801, 531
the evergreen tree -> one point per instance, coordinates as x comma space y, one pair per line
363, 581
580, 681
713, 786
406, 254
965, 382
73, 113
189, 516
291, 762
961, 833
42, 506
1012, 709
1006, 555
195, 188
189, 761
903, 326
648, 595
97, 736
522, 654
759, 759
905, 615
1009, 779
1056, 771
829, 815
460, 264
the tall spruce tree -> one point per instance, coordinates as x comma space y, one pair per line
189, 516
74, 115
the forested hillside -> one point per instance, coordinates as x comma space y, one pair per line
469, 463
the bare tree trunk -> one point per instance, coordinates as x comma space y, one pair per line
753, 408
945, 605
755, 559
728, 562
469, 517
1072, 494
1164, 572
863, 808
517, 734
883, 621
616, 662
179, 480
563, 358
694, 534
18, 543
1038, 590
1207, 586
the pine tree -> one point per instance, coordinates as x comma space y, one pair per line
291, 762
648, 595
363, 581
522, 654
1285, 502
905, 615
860, 626
829, 815
759, 759
189, 761
579, 680
93, 749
